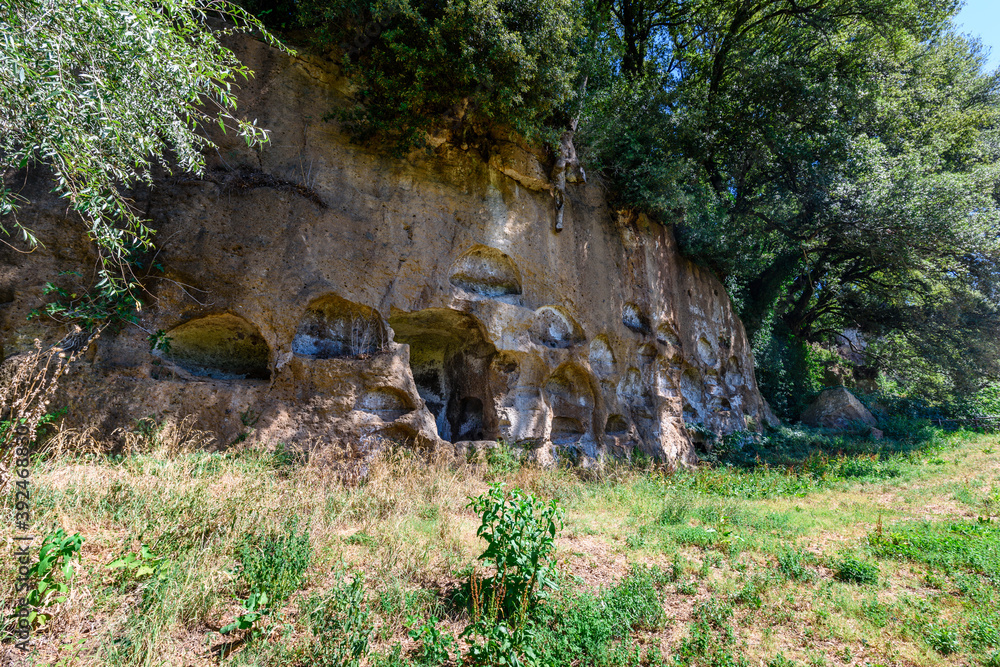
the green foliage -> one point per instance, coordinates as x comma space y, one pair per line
159, 340
502, 460
835, 165
140, 564
711, 638
471, 67
950, 546
433, 646
107, 301
856, 571
675, 510
781, 661
984, 632
274, 564
794, 565
98, 91
943, 638
586, 628
55, 556
341, 625
785, 370
519, 531
255, 608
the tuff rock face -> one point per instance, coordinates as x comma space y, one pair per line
838, 409
320, 294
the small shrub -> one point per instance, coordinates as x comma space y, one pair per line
792, 564
984, 632
55, 556
520, 536
275, 563
520, 541
942, 638
856, 571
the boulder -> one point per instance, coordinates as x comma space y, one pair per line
838, 409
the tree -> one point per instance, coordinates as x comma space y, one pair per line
471, 66
833, 162
98, 91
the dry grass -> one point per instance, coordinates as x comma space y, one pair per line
407, 530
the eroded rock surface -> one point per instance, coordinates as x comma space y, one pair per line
838, 409
427, 300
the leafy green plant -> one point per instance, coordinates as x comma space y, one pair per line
55, 556
855, 571
520, 536
159, 340
433, 646
519, 531
943, 638
274, 564
139, 564
110, 300
255, 608
984, 632
340, 624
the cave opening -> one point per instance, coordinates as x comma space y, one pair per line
222, 347
334, 327
450, 357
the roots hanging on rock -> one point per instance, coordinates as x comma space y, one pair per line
244, 179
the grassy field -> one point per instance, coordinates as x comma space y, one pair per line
791, 549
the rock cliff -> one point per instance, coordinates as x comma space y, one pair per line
322, 294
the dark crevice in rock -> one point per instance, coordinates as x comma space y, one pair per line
635, 319
554, 327
451, 356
